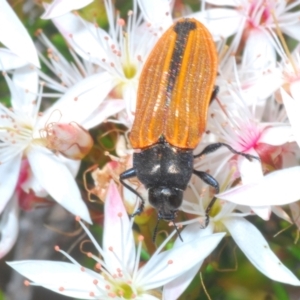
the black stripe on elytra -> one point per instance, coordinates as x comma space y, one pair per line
182, 29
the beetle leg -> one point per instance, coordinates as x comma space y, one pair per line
210, 180
126, 175
213, 147
214, 94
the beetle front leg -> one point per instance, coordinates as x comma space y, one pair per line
126, 175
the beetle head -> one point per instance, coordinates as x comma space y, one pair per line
166, 201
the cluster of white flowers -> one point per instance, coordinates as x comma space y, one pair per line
256, 112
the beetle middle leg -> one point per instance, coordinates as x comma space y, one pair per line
210, 180
215, 146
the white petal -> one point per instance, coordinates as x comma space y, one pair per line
251, 171
14, 35
276, 135
157, 12
234, 3
263, 212
84, 37
61, 7
71, 164
292, 107
58, 181
259, 52
175, 288
148, 297
295, 210
107, 109
292, 31
9, 226
80, 101
277, 188
192, 231
9, 174
129, 96
264, 85
56, 276
282, 214
294, 88
9, 60
256, 248
26, 80
158, 271
117, 233
221, 22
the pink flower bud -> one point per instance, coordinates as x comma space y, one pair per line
71, 140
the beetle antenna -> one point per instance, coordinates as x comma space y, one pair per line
155, 231
176, 228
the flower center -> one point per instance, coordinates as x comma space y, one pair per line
129, 70
128, 66
16, 133
124, 290
215, 209
259, 13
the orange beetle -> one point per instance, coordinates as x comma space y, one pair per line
175, 89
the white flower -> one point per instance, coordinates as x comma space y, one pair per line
289, 91
235, 124
60, 7
224, 216
254, 23
118, 55
120, 275
16, 38
277, 188
26, 163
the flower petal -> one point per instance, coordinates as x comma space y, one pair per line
9, 174
276, 135
176, 287
256, 248
234, 3
25, 80
117, 225
14, 35
250, 171
221, 22
58, 181
277, 188
157, 13
263, 212
9, 226
61, 7
80, 101
292, 107
259, 52
168, 265
105, 110
292, 31
61, 277
9, 60
90, 42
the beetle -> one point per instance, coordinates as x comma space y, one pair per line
175, 89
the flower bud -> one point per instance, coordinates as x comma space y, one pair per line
69, 139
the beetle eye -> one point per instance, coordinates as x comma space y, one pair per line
173, 197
